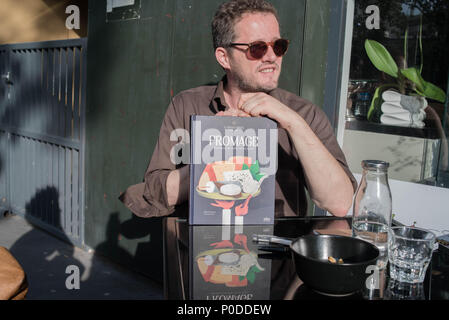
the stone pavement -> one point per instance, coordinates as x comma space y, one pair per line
45, 259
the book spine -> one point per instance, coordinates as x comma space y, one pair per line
192, 172
191, 265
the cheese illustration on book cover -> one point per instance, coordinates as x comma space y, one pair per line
233, 184
228, 264
225, 265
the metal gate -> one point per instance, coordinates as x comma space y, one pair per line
42, 116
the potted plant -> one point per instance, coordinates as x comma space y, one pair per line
409, 80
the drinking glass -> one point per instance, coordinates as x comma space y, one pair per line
404, 291
409, 253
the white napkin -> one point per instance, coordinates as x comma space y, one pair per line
393, 111
402, 110
393, 121
410, 103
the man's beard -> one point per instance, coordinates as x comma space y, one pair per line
246, 85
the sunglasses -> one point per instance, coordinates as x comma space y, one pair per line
258, 49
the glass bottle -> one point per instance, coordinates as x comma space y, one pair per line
372, 205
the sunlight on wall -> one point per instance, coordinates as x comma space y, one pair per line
39, 20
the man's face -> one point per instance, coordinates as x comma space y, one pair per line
249, 74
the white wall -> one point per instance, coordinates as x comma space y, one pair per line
410, 158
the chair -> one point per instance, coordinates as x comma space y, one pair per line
13, 281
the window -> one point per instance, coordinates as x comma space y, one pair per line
397, 107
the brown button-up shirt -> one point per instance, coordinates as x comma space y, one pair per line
149, 199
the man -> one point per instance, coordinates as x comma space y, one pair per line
249, 47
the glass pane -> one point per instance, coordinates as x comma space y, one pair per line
443, 168
397, 89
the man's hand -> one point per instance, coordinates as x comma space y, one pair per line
329, 186
261, 104
233, 113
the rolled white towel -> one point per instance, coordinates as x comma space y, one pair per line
411, 103
393, 121
391, 96
406, 116
394, 111
392, 107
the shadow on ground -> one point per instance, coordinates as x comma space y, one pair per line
49, 262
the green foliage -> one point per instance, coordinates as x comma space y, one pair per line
381, 58
423, 87
383, 61
375, 111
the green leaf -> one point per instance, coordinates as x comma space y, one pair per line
414, 76
251, 274
420, 44
406, 44
420, 93
423, 87
254, 169
374, 111
381, 58
433, 92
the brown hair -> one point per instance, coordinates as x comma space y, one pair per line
229, 13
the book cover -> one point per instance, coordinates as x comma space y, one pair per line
224, 264
233, 162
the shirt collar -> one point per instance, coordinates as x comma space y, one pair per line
218, 102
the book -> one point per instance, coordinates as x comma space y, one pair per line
224, 263
233, 163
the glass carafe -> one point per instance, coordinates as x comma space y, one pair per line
372, 205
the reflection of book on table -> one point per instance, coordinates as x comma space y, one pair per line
232, 171
224, 264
